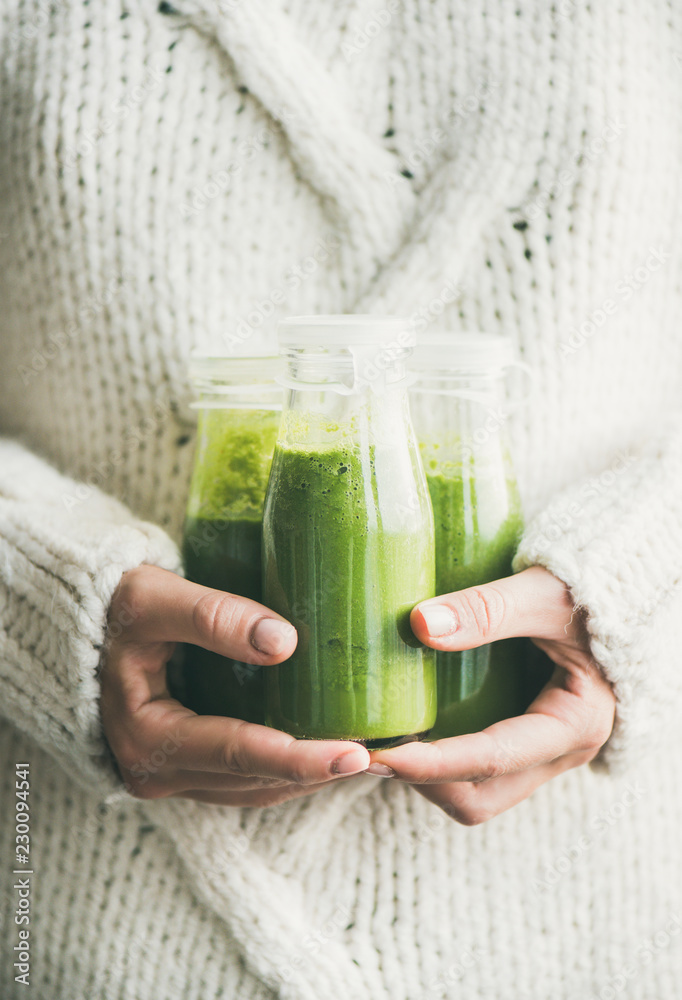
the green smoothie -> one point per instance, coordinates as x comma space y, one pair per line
345, 561
478, 523
222, 547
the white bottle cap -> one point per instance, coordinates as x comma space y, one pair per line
467, 351
344, 331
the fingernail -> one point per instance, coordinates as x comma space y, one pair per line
272, 636
381, 770
350, 763
439, 619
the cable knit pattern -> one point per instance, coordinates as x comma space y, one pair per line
180, 175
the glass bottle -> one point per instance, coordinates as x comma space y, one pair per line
460, 415
348, 537
239, 405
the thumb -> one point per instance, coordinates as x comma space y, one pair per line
165, 608
533, 603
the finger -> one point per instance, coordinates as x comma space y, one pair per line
471, 803
512, 745
210, 781
170, 781
131, 678
231, 746
533, 603
166, 608
257, 799
558, 722
155, 778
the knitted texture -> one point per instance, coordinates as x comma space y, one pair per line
634, 603
59, 570
181, 175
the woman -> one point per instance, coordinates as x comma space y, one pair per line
180, 176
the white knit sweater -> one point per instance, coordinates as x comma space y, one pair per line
182, 175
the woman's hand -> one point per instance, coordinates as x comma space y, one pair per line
475, 777
162, 748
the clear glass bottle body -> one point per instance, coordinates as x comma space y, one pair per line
348, 551
460, 417
239, 413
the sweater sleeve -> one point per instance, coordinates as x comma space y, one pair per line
616, 541
63, 550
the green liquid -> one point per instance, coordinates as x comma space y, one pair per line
478, 525
222, 548
346, 565
225, 555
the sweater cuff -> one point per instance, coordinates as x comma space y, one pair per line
59, 567
616, 541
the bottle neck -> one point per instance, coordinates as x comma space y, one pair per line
236, 383
244, 397
355, 369
483, 387
461, 416
322, 416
